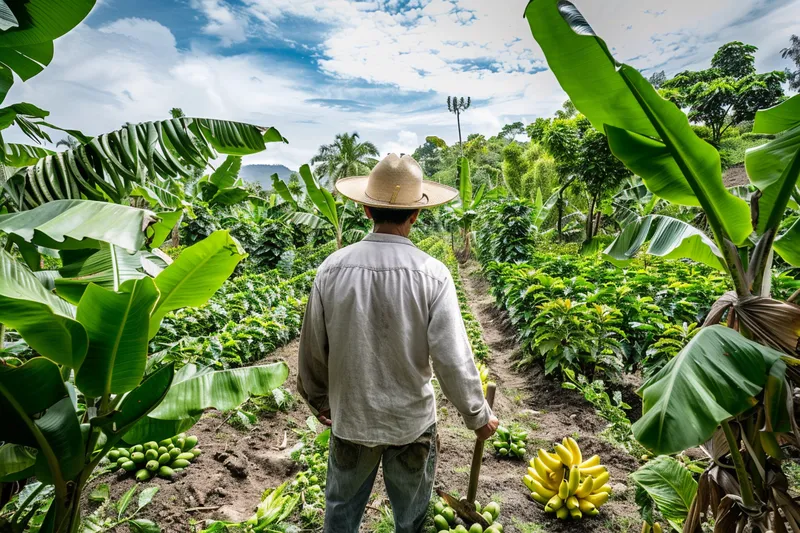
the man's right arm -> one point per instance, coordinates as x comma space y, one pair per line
453, 363
312, 372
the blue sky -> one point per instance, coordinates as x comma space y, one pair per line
384, 68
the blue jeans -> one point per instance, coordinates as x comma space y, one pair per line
408, 473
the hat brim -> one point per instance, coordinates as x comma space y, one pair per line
433, 194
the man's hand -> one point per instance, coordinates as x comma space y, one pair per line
488, 430
324, 418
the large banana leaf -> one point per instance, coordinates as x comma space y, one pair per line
668, 237
112, 165
282, 190
16, 462
138, 403
46, 322
194, 390
775, 166
195, 275
76, 224
22, 155
322, 198
117, 323
28, 31
109, 267
788, 244
38, 412
671, 487
715, 377
648, 133
781, 117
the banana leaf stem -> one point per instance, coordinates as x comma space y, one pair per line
745, 486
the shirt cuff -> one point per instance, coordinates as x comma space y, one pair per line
480, 419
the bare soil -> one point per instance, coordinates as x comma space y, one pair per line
227, 480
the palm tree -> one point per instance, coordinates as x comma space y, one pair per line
346, 156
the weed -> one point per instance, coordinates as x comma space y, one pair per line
527, 527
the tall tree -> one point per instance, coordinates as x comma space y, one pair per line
458, 106
792, 52
729, 93
509, 131
658, 79
345, 156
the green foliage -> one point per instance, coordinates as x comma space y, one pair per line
612, 410
732, 149
792, 52
514, 168
113, 514
248, 318
507, 232
730, 92
669, 485
614, 317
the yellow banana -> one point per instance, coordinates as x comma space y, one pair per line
572, 502
656, 528
562, 514
555, 478
528, 482
550, 462
563, 490
597, 499
590, 462
585, 488
535, 475
564, 454
541, 468
604, 488
554, 504
602, 479
539, 498
585, 507
645, 527
576, 514
574, 480
593, 512
593, 471
541, 489
577, 457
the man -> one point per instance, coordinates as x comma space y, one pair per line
379, 313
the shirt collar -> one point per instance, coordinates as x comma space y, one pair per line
385, 237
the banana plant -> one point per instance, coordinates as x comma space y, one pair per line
111, 166
730, 384
96, 349
466, 212
342, 216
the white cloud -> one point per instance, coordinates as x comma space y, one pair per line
132, 69
406, 143
223, 21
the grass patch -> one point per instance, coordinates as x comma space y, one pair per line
527, 527
792, 471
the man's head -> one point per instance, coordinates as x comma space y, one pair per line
400, 219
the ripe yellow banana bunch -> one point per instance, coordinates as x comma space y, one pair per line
566, 484
483, 370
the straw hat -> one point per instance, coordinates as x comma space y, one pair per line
396, 183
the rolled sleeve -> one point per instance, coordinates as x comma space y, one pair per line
312, 372
452, 359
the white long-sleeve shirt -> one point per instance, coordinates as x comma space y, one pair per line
379, 313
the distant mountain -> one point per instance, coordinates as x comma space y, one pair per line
261, 174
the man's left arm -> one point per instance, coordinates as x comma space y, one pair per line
312, 372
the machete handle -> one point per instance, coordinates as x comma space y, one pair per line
477, 455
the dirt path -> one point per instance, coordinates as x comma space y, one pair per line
228, 479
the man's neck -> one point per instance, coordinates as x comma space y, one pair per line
393, 229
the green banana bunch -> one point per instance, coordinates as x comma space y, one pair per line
510, 443
566, 484
444, 519
156, 458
